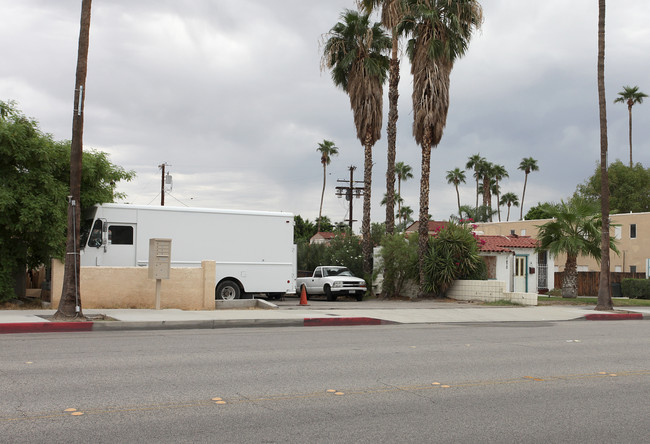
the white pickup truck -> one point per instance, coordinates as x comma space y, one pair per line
332, 282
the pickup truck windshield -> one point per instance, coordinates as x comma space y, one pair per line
337, 272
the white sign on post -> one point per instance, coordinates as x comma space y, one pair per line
160, 259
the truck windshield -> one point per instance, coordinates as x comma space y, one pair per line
87, 222
340, 271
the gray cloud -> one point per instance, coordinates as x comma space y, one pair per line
232, 96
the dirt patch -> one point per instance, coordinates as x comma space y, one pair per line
22, 304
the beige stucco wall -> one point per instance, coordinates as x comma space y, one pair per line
130, 287
633, 251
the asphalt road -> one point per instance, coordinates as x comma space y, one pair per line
539, 382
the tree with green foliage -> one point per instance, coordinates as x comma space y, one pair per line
440, 33
630, 96
34, 185
574, 230
327, 149
500, 173
629, 188
399, 257
475, 164
403, 172
509, 199
303, 229
354, 52
392, 12
456, 177
527, 165
541, 211
453, 253
481, 214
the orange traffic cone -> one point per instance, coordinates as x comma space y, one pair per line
303, 296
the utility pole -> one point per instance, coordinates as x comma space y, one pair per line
350, 191
162, 183
70, 302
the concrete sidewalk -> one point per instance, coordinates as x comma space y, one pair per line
317, 313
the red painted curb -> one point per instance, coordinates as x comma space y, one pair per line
326, 322
613, 316
45, 327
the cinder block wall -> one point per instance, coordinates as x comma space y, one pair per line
488, 291
130, 287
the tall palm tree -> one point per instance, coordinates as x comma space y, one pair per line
631, 96
509, 199
404, 173
392, 13
526, 165
604, 297
475, 163
500, 173
327, 149
440, 32
456, 176
488, 174
354, 52
574, 230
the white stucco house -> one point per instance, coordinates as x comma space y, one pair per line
514, 261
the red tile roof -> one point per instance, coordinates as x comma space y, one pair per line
433, 226
504, 244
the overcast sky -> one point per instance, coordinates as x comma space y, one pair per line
230, 94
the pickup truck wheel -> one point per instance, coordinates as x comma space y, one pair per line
227, 291
328, 292
360, 297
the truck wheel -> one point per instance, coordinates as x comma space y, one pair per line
328, 293
227, 291
360, 297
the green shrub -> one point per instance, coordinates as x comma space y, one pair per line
636, 288
344, 250
453, 252
399, 256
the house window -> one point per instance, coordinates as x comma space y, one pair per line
632, 268
618, 232
632, 231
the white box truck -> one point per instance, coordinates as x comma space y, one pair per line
253, 250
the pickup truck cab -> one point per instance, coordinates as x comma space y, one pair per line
332, 281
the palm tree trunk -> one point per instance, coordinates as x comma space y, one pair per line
70, 302
423, 226
604, 295
458, 199
476, 207
508, 219
322, 195
629, 107
570, 279
521, 212
498, 203
399, 203
365, 224
393, 96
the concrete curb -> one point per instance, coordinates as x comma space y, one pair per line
45, 327
613, 316
86, 326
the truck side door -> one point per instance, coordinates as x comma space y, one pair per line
120, 246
